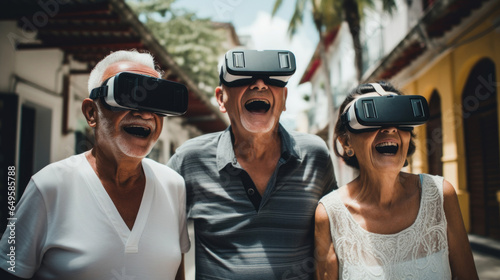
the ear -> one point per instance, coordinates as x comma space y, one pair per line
219, 96
344, 142
89, 110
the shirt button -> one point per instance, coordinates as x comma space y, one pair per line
250, 191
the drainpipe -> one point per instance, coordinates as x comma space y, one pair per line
498, 199
66, 96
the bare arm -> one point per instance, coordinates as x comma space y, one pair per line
327, 266
180, 272
460, 255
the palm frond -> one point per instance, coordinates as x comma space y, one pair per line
276, 7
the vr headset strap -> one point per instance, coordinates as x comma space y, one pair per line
379, 89
99, 92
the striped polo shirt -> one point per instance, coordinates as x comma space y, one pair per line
239, 235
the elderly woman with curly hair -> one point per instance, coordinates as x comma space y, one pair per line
386, 223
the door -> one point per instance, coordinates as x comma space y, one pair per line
482, 148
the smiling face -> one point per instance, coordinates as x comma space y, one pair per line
255, 108
126, 132
381, 150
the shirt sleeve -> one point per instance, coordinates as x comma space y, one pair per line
172, 163
329, 178
185, 243
22, 242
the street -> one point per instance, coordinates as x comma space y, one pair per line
486, 256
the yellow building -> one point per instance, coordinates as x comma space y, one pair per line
448, 52
452, 58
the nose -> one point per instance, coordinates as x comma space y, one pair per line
258, 84
143, 114
391, 129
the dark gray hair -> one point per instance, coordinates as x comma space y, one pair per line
341, 129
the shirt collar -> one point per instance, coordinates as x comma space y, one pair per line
225, 151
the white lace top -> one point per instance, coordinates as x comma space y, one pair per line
417, 252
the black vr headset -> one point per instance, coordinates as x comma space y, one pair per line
130, 91
243, 67
369, 113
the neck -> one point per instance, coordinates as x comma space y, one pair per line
122, 171
256, 146
382, 189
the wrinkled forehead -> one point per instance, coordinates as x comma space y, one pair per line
128, 66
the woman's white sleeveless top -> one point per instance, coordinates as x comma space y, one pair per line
417, 252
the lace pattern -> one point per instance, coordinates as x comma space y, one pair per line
417, 252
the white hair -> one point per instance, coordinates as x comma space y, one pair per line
95, 78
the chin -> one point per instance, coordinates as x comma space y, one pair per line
135, 151
259, 127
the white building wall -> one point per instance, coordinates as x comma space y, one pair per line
318, 110
7, 54
343, 79
342, 65
395, 26
380, 34
36, 76
37, 70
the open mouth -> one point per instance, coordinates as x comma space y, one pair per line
257, 105
138, 131
387, 148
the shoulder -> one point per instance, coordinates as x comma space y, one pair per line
309, 145
195, 151
321, 216
450, 197
448, 190
167, 180
332, 197
65, 165
201, 146
445, 189
329, 204
309, 140
444, 186
61, 171
162, 171
200, 143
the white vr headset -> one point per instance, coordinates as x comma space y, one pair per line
131, 91
243, 67
385, 109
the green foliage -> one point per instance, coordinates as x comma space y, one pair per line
328, 14
194, 43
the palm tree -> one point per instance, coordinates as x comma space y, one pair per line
325, 18
329, 14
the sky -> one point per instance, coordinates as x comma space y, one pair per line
253, 18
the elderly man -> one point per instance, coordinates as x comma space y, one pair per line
108, 213
252, 189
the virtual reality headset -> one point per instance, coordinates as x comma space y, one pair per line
243, 67
130, 91
374, 112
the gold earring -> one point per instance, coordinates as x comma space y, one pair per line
350, 152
